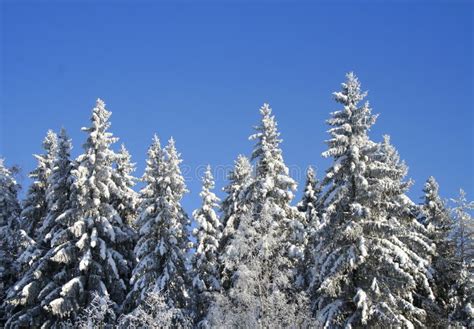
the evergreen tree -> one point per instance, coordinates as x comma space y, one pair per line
9, 225
35, 205
205, 265
438, 222
32, 262
83, 259
310, 207
232, 207
462, 294
310, 202
30, 293
124, 198
59, 188
261, 249
366, 270
162, 227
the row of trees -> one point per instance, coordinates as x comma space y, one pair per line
86, 250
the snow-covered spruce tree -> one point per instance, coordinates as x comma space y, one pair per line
124, 198
436, 217
84, 258
99, 231
310, 207
163, 236
262, 286
23, 301
310, 202
206, 278
59, 189
35, 205
366, 271
273, 185
462, 292
9, 226
232, 207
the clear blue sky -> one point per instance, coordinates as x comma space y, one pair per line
199, 72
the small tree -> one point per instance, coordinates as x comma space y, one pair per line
9, 231
35, 205
462, 292
59, 188
206, 278
436, 218
310, 208
124, 198
232, 208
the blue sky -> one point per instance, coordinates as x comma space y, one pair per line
200, 71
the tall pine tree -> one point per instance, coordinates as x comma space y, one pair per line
232, 208
206, 278
163, 236
366, 271
9, 226
261, 249
436, 217
59, 187
310, 207
35, 205
124, 198
85, 258
462, 294
26, 300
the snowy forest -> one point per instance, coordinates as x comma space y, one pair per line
86, 248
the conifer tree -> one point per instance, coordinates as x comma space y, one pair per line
57, 194
163, 237
462, 292
261, 249
25, 300
59, 188
232, 208
83, 259
205, 264
125, 199
366, 270
438, 222
310, 202
310, 207
9, 225
35, 205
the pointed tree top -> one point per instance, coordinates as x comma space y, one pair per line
171, 151
171, 144
156, 140
208, 179
100, 103
431, 185
351, 91
266, 109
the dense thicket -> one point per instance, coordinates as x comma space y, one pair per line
84, 249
